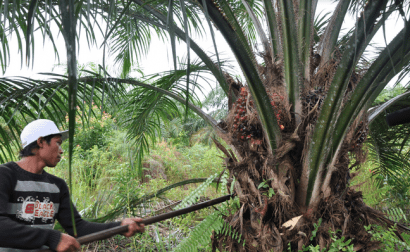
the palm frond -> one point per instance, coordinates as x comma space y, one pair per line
387, 153
232, 32
159, 21
320, 24
374, 112
291, 57
329, 114
329, 39
23, 100
140, 199
246, 21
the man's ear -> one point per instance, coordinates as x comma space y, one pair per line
40, 142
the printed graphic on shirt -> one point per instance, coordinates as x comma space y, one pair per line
31, 209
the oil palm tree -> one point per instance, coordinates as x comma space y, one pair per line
295, 124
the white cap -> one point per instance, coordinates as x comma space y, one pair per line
40, 128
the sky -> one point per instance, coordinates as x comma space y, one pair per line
158, 59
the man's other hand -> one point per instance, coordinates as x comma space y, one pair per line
134, 226
67, 244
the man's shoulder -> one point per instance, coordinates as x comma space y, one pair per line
8, 174
55, 179
7, 167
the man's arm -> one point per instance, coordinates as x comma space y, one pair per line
67, 243
134, 226
84, 227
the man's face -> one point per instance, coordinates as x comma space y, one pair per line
51, 153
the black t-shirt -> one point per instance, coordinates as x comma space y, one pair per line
29, 205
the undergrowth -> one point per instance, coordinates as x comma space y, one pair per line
105, 178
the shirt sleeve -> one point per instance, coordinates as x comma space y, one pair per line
83, 227
14, 234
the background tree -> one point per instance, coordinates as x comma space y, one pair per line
293, 124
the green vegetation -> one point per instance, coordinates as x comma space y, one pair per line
105, 177
298, 119
388, 239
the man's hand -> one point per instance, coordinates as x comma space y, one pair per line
134, 226
67, 244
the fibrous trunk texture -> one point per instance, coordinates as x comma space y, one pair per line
269, 186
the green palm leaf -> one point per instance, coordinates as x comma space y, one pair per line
23, 100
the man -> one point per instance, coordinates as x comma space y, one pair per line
32, 199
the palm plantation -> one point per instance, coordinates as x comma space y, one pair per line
294, 127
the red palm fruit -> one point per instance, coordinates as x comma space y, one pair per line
242, 137
248, 137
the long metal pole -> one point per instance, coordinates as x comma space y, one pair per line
123, 229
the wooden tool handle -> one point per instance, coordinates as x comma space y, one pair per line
123, 229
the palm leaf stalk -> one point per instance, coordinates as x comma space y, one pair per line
238, 43
138, 200
273, 28
378, 75
69, 22
388, 146
329, 113
375, 112
305, 34
291, 57
328, 43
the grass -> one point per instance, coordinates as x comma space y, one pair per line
373, 196
104, 177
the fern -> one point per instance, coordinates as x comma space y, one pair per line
201, 234
396, 214
224, 183
389, 241
228, 230
192, 197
